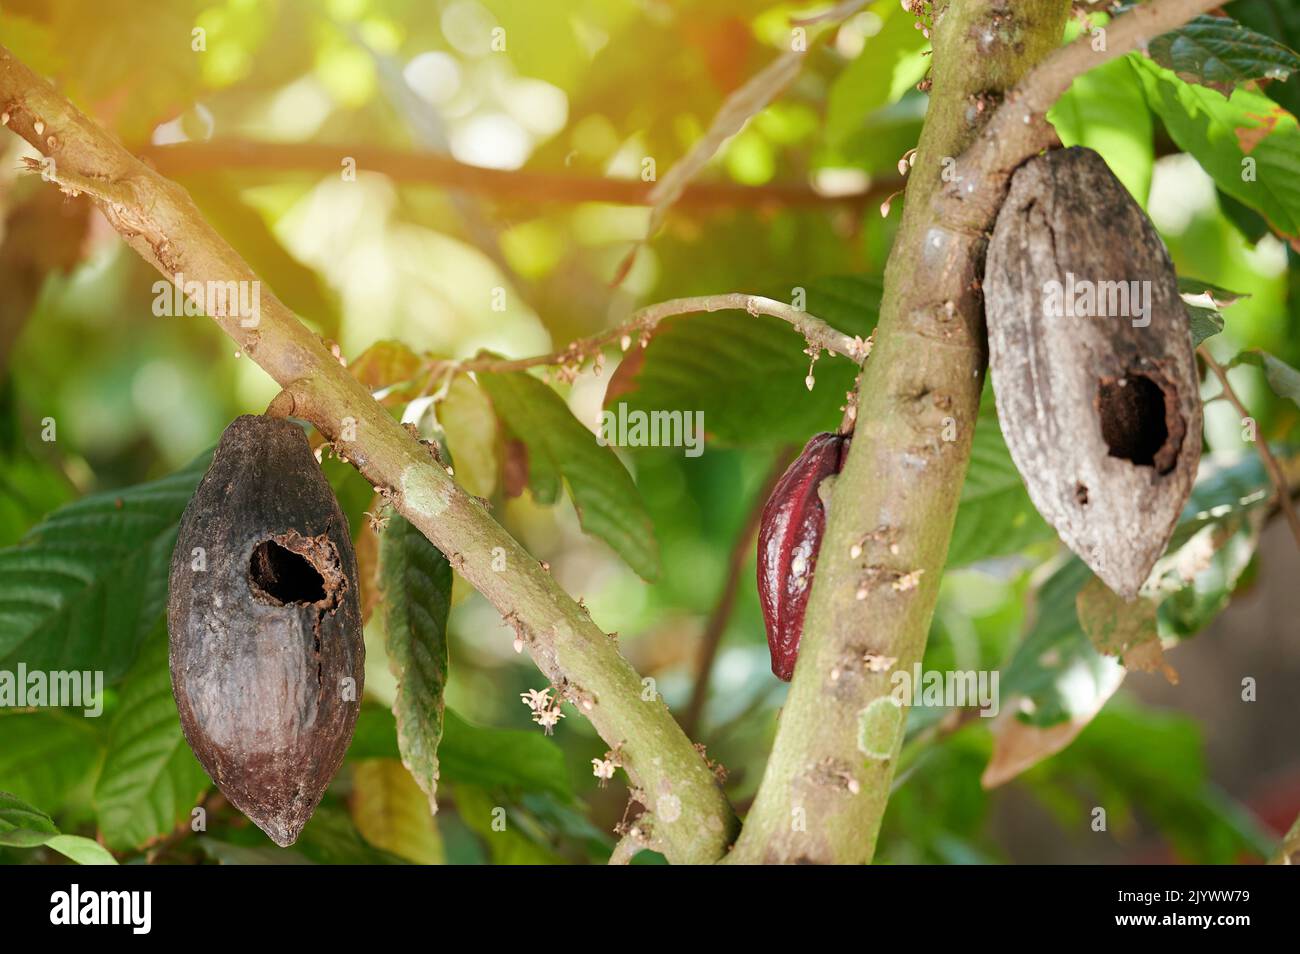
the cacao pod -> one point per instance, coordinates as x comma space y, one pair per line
789, 536
1092, 361
267, 657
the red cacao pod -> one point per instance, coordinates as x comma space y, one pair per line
789, 536
267, 656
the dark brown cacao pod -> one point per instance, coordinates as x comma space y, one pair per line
789, 536
267, 657
1092, 362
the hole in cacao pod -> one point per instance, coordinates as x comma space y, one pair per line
1140, 422
284, 577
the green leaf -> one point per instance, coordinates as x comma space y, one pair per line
89, 582
150, 780
508, 843
22, 826
415, 579
746, 374
1220, 52
492, 758
1281, 377
46, 755
503, 758
1106, 110
1204, 322
331, 838
995, 516
1221, 296
608, 503
83, 851
891, 63
1057, 668
1248, 144
29, 489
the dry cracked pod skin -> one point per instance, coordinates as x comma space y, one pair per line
789, 538
267, 657
1096, 381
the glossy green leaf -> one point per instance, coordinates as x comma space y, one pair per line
150, 779
23, 826
90, 581
1220, 52
747, 373
1106, 110
1248, 144
891, 63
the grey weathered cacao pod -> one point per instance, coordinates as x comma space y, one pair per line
1092, 363
267, 657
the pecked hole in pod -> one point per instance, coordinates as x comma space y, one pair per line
1140, 421
280, 576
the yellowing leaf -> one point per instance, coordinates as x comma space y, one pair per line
470, 424
392, 813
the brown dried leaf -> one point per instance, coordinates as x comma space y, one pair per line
1124, 629
387, 363
1018, 746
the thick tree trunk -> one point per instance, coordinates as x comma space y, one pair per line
892, 509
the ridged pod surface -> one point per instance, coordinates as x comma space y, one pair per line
1092, 363
267, 656
789, 536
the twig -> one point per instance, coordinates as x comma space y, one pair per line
817, 332
721, 614
158, 219
525, 185
1275, 474
740, 106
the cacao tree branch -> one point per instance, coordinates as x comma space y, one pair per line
1274, 469
891, 510
817, 333
693, 821
522, 185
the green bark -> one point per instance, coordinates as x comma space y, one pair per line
892, 509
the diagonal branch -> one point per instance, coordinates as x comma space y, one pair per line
816, 332
523, 185
693, 821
